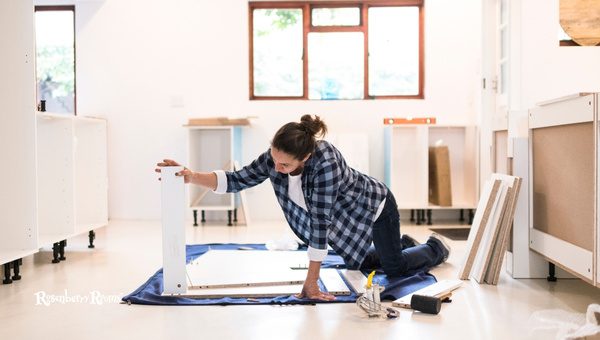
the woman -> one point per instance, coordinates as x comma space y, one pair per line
327, 202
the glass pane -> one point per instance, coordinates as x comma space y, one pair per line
335, 65
336, 16
503, 77
503, 12
55, 60
278, 52
503, 42
393, 51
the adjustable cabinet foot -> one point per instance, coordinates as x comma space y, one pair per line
61, 250
235, 215
195, 218
229, 218
428, 216
92, 237
420, 216
16, 270
551, 272
412, 215
461, 218
471, 216
203, 220
55, 248
7, 279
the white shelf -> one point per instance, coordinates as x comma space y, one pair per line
213, 148
407, 164
91, 174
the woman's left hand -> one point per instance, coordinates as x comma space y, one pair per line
312, 291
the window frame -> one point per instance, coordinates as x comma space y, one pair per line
49, 8
307, 27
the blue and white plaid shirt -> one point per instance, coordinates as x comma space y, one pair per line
342, 203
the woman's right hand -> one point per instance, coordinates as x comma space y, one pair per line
186, 173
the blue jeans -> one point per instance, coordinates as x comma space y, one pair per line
388, 252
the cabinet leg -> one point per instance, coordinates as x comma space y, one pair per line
428, 216
235, 215
229, 218
203, 220
91, 237
195, 218
61, 250
419, 218
551, 273
16, 270
55, 248
412, 215
462, 215
471, 216
7, 279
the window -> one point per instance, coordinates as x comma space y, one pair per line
55, 57
350, 50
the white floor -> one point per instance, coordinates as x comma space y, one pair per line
128, 252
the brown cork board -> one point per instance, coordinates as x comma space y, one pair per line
563, 182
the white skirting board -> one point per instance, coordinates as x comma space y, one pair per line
173, 231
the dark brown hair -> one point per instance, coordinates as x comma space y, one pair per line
299, 139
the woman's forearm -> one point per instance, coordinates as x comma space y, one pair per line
205, 179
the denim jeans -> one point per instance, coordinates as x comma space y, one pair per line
388, 252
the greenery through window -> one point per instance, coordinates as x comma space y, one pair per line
352, 50
55, 57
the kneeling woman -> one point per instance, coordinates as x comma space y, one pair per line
327, 202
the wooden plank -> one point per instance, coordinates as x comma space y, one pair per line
234, 268
218, 121
496, 236
438, 289
483, 255
484, 208
173, 230
493, 273
333, 282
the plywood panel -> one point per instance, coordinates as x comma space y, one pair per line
501, 152
235, 268
488, 199
563, 182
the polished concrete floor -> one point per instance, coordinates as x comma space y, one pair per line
128, 252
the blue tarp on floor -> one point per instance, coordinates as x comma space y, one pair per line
150, 292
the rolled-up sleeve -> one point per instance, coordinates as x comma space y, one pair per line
317, 255
221, 182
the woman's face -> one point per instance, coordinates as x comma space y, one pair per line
286, 163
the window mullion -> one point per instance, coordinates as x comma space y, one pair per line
306, 28
365, 29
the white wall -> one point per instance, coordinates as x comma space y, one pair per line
148, 65
548, 70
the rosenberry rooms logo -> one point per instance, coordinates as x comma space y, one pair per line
93, 298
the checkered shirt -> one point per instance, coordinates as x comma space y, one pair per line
341, 202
